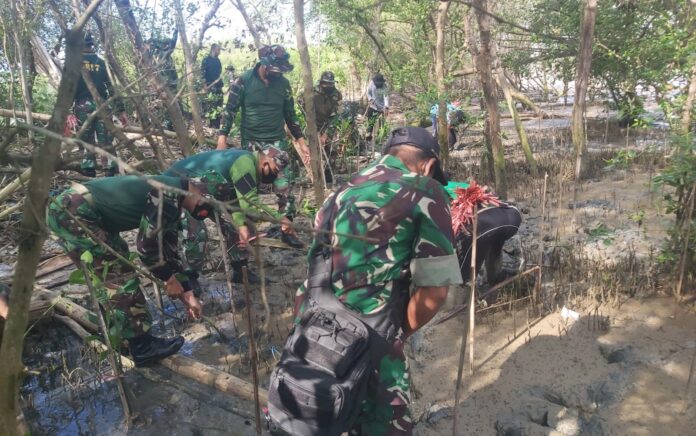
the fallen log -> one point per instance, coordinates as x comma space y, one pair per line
83, 316
179, 364
15, 185
53, 264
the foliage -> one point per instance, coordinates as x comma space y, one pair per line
622, 160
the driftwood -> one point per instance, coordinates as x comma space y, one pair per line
53, 264
179, 364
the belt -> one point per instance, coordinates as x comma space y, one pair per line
82, 190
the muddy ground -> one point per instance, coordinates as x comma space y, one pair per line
619, 369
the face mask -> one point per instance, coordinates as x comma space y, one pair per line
202, 211
268, 179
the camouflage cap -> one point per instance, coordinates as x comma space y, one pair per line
280, 157
275, 58
213, 184
327, 77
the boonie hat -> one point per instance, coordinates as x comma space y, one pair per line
420, 138
327, 77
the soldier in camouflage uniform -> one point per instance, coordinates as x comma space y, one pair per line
266, 101
326, 102
160, 51
243, 170
399, 204
106, 207
84, 105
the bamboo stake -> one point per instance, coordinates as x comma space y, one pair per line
685, 251
228, 270
264, 298
472, 301
15, 184
112, 357
252, 350
11, 209
542, 229
688, 383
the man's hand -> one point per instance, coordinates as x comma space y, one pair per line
123, 118
4, 308
244, 235
286, 226
304, 150
222, 142
174, 288
193, 306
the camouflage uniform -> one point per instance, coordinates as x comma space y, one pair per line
239, 168
84, 105
74, 240
408, 217
160, 51
266, 110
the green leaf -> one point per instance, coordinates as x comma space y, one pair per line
77, 277
130, 287
87, 257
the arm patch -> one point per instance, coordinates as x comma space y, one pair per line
245, 185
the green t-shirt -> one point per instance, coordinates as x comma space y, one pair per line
239, 167
406, 215
121, 200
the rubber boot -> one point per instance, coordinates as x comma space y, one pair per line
148, 349
89, 172
291, 240
238, 277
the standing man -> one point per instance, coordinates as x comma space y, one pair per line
455, 117
399, 207
211, 69
84, 105
243, 170
326, 102
106, 207
266, 101
160, 50
377, 102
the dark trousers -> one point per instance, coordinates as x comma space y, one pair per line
495, 226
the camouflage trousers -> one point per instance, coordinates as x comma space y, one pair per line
385, 411
212, 107
83, 109
284, 183
75, 240
194, 242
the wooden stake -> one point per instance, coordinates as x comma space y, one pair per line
685, 251
15, 184
264, 298
111, 353
252, 350
228, 270
472, 301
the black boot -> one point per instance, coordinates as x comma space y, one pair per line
90, 172
291, 240
238, 277
109, 172
148, 349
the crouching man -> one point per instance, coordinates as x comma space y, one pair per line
83, 216
384, 232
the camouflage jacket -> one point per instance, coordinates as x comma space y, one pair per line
165, 263
406, 228
325, 105
266, 109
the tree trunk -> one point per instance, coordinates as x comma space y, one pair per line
442, 126
32, 234
250, 24
156, 81
310, 114
686, 123
473, 49
521, 133
484, 67
582, 77
44, 62
189, 62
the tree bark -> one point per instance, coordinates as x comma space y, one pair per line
250, 24
310, 114
156, 81
686, 123
442, 126
190, 76
521, 133
32, 233
484, 66
582, 77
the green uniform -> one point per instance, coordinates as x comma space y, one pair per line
84, 105
240, 169
266, 110
108, 206
326, 103
408, 218
160, 51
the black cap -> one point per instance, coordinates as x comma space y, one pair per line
420, 138
327, 77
